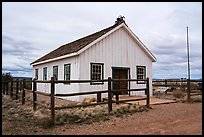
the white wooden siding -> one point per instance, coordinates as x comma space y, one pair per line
116, 50
60, 87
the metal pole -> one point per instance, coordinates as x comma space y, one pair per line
188, 81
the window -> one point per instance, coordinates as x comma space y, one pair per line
55, 72
45, 73
141, 73
97, 72
36, 74
67, 71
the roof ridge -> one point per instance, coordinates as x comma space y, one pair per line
86, 36
75, 45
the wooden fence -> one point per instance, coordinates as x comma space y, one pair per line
184, 83
20, 86
175, 83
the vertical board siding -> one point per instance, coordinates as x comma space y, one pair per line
118, 49
60, 87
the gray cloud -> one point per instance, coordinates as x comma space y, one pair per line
16, 69
30, 30
15, 47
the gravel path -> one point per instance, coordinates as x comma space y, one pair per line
174, 119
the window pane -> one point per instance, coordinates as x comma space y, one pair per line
67, 72
99, 77
140, 72
96, 72
55, 72
45, 73
94, 69
36, 73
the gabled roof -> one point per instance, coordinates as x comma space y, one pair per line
78, 46
74, 46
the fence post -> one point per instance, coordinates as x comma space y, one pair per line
147, 92
3, 84
117, 97
109, 95
52, 99
165, 83
188, 90
11, 92
9, 89
16, 89
23, 93
20, 85
34, 94
98, 97
7, 83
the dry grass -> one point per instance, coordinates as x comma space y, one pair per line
196, 98
178, 94
95, 113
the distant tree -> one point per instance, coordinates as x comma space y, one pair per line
7, 76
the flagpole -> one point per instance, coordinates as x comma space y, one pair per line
188, 80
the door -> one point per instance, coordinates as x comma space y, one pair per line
120, 73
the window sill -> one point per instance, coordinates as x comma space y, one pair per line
94, 83
141, 83
66, 83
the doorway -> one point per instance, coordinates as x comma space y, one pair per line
120, 73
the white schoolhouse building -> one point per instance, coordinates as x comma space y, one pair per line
114, 52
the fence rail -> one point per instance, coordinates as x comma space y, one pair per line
15, 87
168, 80
189, 84
176, 83
82, 93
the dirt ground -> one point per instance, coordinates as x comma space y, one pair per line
165, 119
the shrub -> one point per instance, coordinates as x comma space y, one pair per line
96, 113
88, 100
196, 98
178, 94
46, 123
192, 99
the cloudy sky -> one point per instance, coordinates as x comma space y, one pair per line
31, 30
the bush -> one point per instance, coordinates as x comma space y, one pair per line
178, 94
96, 113
7, 77
193, 99
196, 98
46, 123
